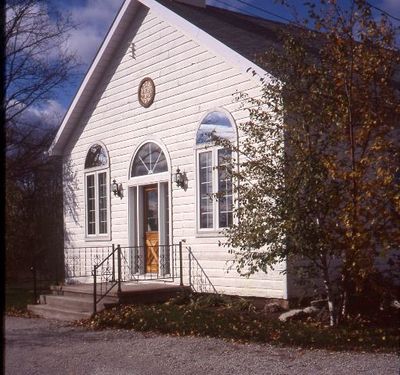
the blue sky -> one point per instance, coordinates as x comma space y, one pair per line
94, 17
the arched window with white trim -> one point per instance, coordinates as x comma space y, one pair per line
97, 189
214, 185
149, 209
149, 159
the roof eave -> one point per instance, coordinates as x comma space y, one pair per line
128, 8
99, 62
204, 38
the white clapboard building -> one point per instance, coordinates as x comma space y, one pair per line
139, 167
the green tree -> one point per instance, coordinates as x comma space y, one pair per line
319, 157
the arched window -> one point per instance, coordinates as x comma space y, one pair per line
212, 177
215, 124
97, 192
96, 157
149, 159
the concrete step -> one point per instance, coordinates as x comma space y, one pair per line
76, 303
49, 312
66, 290
72, 302
81, 290
152, 295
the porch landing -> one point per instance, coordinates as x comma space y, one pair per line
74, 302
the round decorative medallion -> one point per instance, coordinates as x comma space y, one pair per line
146, 92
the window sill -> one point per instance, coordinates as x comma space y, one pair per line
98, 238
209, 234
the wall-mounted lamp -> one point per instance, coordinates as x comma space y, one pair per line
117, 189
180, 178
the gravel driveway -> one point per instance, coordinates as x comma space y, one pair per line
37, 346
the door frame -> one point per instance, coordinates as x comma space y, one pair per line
135, 220
147, 248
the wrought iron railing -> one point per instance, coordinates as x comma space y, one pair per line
106, 275
109, 266
79, 261
128, 263
168, 268
198, 279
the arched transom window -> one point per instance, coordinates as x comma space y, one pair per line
215, 124
149, 159
97, 192
212, 177
96, 157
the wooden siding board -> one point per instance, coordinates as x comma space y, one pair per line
189, 81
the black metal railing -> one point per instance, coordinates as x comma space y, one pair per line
198, 279
40, 283
79, 261
128, 263
168, 267
106, 275
111, 265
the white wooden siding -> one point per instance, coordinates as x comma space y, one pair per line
189, 82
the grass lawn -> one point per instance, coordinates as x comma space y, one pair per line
239, 321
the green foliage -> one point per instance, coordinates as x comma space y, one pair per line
319, 156
230, 323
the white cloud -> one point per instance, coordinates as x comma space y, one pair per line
47, 115
29, 26
51, 113
93, 19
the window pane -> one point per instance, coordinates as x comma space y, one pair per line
102, 188
151, 210
205, 181
91, 205
160, 164
225, 199
215, 124
96, 157
148, 160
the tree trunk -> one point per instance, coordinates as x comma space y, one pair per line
333, 316
347, 285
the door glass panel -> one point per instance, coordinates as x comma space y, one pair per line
151, 202
165, 261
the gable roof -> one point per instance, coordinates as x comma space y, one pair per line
247, 35
237, 38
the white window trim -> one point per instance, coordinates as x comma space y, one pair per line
98, 236
138, 182
135, 216
149, 179
216, 230
160, 144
